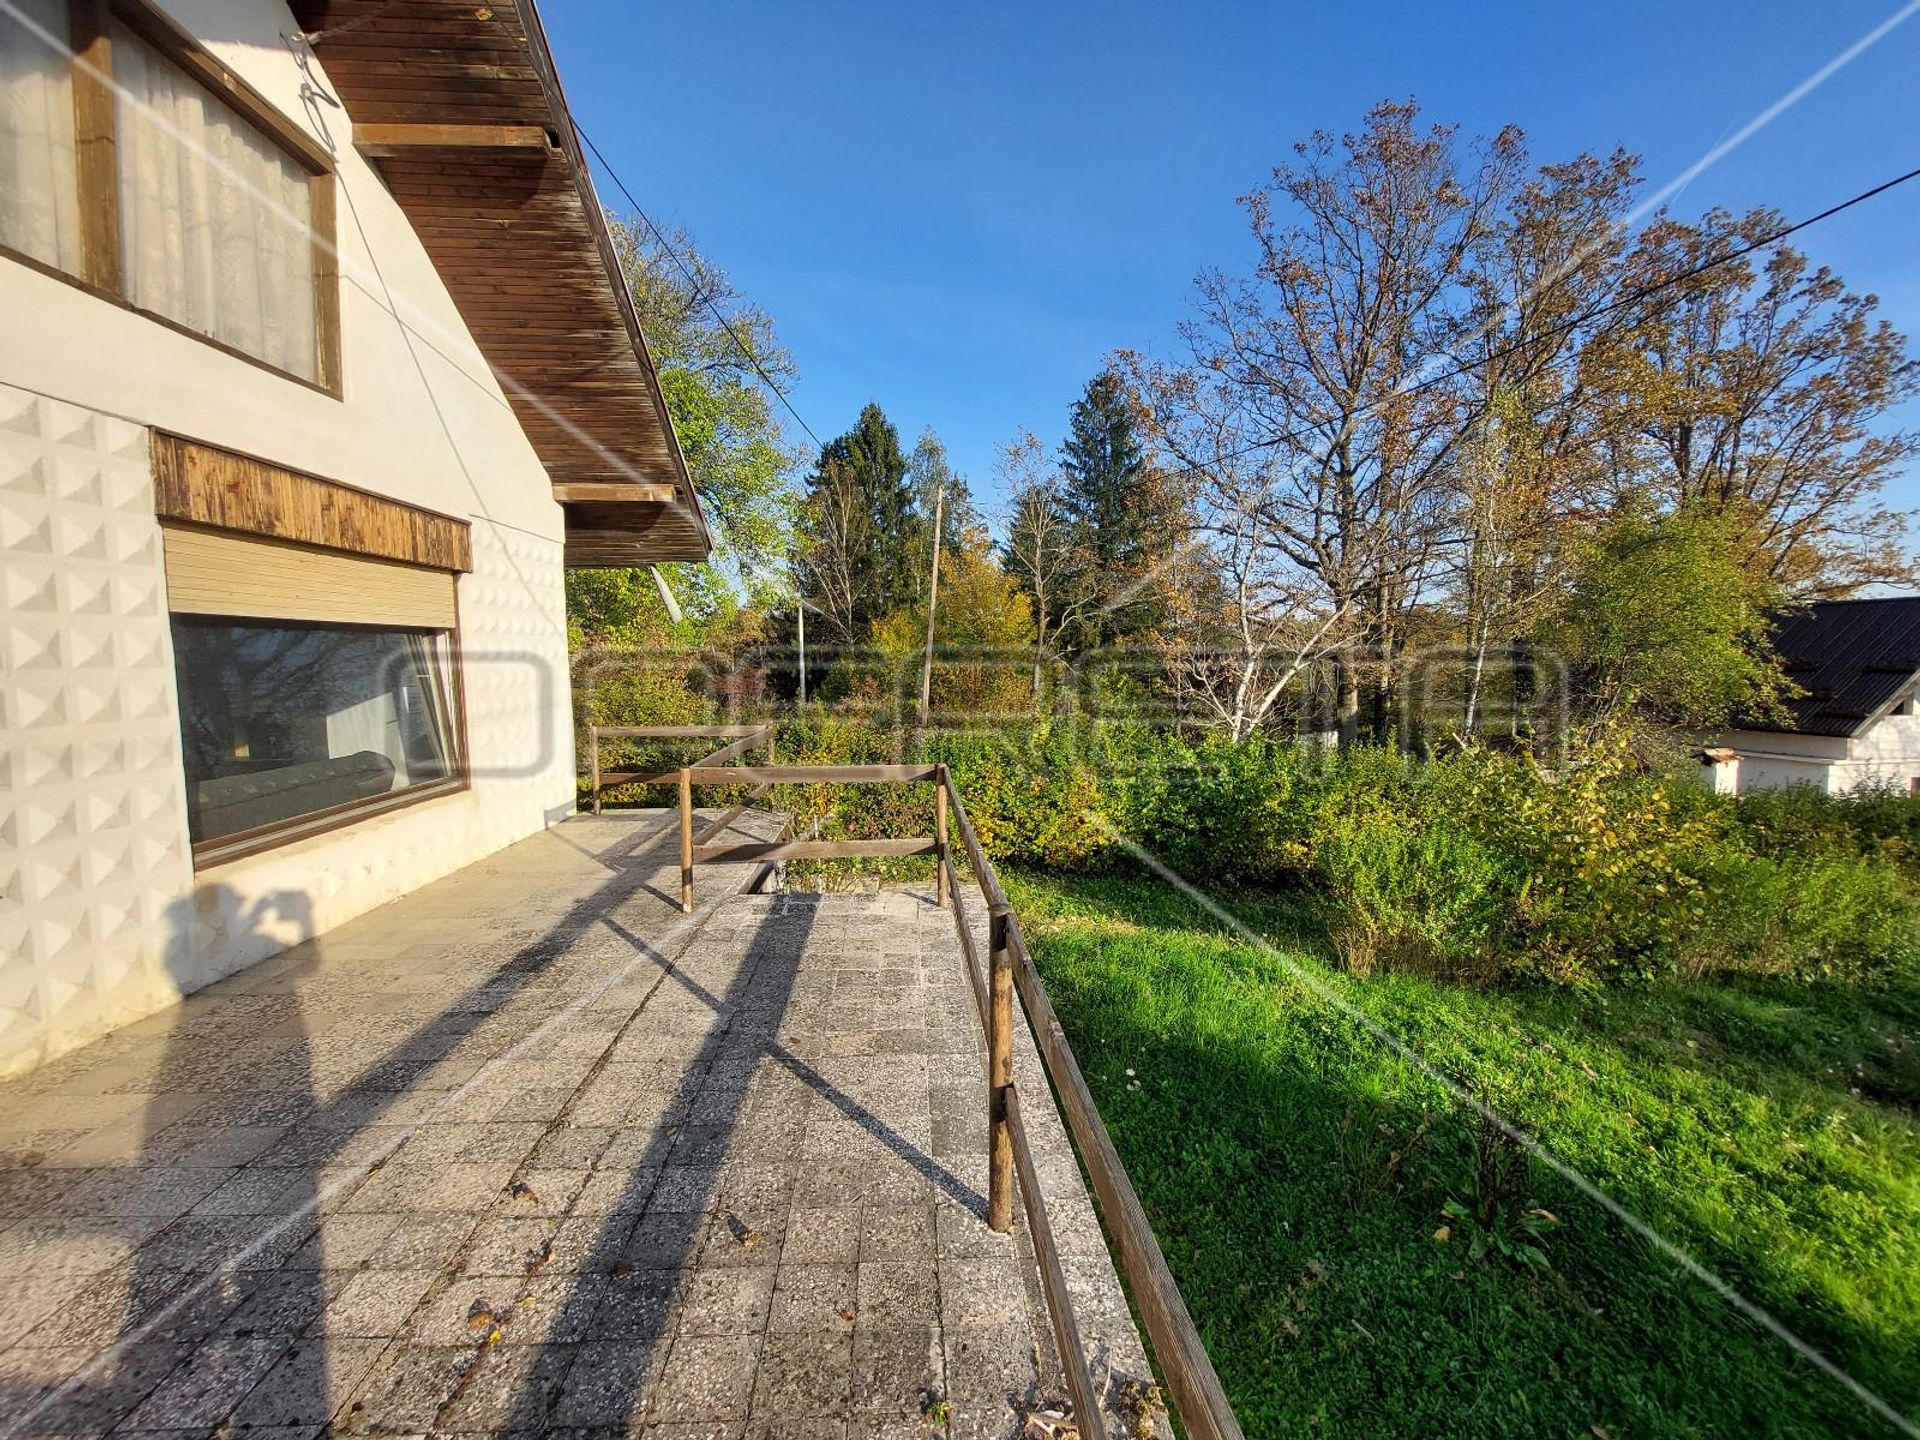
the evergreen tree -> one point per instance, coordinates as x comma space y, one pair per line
1121, 511
858, 560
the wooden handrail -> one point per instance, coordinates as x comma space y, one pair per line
736, 749
1184, 1363
745, 738
983, 875
814, 849
810, 774
1053, 1277
1192, 1383
676, 732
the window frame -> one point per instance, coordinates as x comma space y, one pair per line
97, 181
449, 680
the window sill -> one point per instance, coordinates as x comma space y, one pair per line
322, 824
332, 391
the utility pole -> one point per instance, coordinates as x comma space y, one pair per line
933, 596
800, 609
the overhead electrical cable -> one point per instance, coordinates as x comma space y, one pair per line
685, 269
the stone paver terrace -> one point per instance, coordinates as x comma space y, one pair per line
530, 1151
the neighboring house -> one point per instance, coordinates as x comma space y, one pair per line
1857, 663
316, 369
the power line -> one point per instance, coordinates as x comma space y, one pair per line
699, 289
1634, 297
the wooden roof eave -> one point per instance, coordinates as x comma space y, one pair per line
461, 111
603, 239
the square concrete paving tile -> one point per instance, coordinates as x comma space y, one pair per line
812, 1297
372, 1304
556, 1309
609, 1384
207, 1386
897, 1231
731, 1300
897, 1369
803, 1375
285, 1302
898, 1293
978, 1293
508, 1246
405, 1389
639, 1304
743, 1239
706, 1378
421, 1242
821, 1235
510, 1388
989, 1368
309, 1384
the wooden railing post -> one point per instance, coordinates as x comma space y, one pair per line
686, 841
942, 865
593, 761
999, 1075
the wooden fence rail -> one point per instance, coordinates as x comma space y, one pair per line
1191, 1382
746, 737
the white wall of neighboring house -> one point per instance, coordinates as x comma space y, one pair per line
1769, 760
1885, 752
102, 915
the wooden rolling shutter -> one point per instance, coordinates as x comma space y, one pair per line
215, 573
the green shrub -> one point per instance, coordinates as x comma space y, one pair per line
1476, 864
1242, 813
1410, 892
1873, 820
1823, 913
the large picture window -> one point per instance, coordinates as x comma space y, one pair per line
288, 726
139, 166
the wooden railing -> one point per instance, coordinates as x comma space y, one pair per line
745, 738
1191, 1383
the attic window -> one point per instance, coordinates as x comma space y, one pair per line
135, 164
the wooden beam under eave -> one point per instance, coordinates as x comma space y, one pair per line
620, 492
378, 141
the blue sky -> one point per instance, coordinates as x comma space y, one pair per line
959, 210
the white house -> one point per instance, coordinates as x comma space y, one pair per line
315, 370
1857, 663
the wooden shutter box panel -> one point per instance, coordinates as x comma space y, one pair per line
210, 573
202, 485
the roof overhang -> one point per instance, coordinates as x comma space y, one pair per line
460, 109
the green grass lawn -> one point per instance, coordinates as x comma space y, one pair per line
1296, 1172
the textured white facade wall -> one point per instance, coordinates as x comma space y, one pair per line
93, 821
102, 917
1887, 754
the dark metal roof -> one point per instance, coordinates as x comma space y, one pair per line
1850, 657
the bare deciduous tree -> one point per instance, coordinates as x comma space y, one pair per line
1044, 550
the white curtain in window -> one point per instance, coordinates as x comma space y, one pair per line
39, 188
215, 220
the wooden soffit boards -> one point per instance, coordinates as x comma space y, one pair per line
248, 577
461, 111
202, 485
